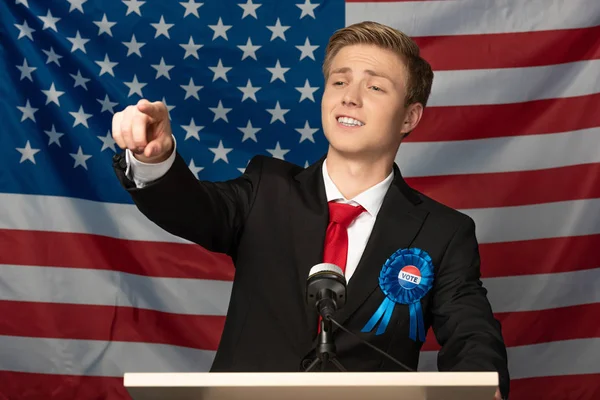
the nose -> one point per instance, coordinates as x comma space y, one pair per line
351, 97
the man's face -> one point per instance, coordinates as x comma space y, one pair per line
362, 108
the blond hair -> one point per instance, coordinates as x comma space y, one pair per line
420, 74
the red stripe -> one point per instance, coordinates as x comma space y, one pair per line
78, 250
562, 387
517, 188
510, 50
109, 323
502, 120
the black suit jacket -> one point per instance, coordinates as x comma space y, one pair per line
272, 222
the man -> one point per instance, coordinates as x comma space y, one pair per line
274, 221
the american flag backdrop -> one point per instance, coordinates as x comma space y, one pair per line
90, 289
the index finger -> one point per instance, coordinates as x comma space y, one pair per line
156, 110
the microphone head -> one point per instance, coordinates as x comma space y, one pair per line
324, 268
326, 279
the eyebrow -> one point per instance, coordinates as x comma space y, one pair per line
345, 70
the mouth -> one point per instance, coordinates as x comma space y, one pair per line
349, 122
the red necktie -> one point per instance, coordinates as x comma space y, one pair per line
336, 238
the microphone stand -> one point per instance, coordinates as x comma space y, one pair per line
325, 349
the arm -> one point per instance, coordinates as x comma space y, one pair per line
463, 321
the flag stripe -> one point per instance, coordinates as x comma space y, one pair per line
563, 387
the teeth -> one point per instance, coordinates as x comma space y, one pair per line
349, 121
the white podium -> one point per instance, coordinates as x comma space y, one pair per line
313, 386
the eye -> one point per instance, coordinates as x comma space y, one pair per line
376, 88
338, 83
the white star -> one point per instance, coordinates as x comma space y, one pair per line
243, 170
107, 105
277, 113
133, 6
278, 30
24, 2
191, 7
135, 86
76, 4
306, 133
80, 158
249, 132
49, 21
107, 142
307, 50
78, 43
249, 50
191, 48
162, 28
307, 92
52, 95
278, 72
192, 130
306, 164
249, 9
169, 108
106, 66
191, 90
220, 29
104, 26
80, 117
28, 111
26, 70
220, 112
134, 46
195, 169
27, 153
307, 9
80, 80
220, 152
278, 152
25, 30
54, 136
249, 91
52, 56
220, 71
162, 69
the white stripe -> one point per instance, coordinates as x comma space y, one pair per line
514, 85
432, 18
502, 154
568, 357
543, 291
112, 288
97, 357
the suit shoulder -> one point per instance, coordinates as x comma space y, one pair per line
272, 167
442, 212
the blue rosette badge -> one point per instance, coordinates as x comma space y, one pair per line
404, 279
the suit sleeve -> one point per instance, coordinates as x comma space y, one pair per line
211, 214
463, 322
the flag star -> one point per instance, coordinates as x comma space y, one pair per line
24, 2
249, 132
54, 137
307, 50
194, 168
249, 50
133, 6
307, 9
80, 158
52, 56
106, 66
80, 80
76, 4
134, 46
49, 21
220, 71
192, 130
249, 91
278, 72
220, 152
278, 152
243, 170
25, 30
107, 142
80, 117
169, 108
78, 43
277, 113
162, 69
28, 111
307, 92
220, 29
104, 26
191, 90
191, 48
191, 7
27, 153
220, 112
135, 86
306, 164
107, 105
26, 70
306, 133
278, 30
52, 95
249, 9
162, 28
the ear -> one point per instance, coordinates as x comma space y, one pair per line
413, 115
